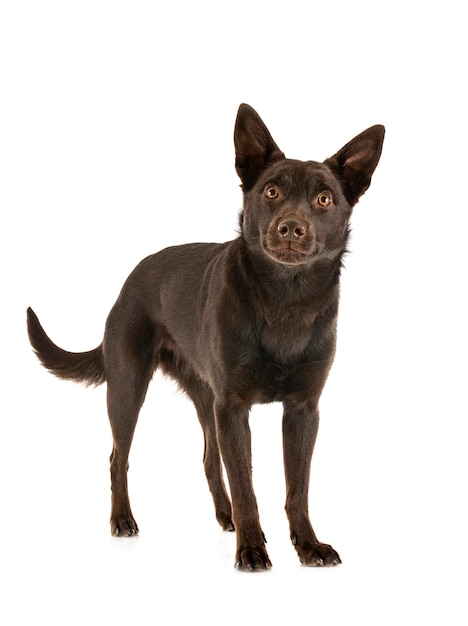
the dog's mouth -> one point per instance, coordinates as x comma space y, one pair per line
290, 254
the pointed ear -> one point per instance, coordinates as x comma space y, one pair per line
355, 163
255, 148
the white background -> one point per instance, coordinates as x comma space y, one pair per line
116, 141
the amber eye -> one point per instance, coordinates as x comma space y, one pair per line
271, 192
324, 200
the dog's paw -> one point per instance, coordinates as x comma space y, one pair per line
317, 554
124, 527
252, 559
225, 521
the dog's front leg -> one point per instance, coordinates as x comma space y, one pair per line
300, 426
233, 431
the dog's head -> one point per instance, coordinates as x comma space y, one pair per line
297, 212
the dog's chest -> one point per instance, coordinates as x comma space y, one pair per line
268, 381
285, 357
286, 334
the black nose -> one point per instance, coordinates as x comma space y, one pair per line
291, 229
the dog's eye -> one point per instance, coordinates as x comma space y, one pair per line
324, 200
271, 192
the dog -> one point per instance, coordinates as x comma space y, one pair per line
249, 321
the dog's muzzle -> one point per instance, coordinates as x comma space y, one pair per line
290, 239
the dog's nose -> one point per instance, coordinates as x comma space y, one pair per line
292, 229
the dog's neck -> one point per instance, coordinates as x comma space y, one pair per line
310, 284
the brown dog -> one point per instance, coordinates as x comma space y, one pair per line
248, 321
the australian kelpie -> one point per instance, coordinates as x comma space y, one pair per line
249, 321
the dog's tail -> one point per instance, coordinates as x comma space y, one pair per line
81, 367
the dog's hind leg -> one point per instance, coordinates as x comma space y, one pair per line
123, 414
173, 364
129, 362
203, 401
